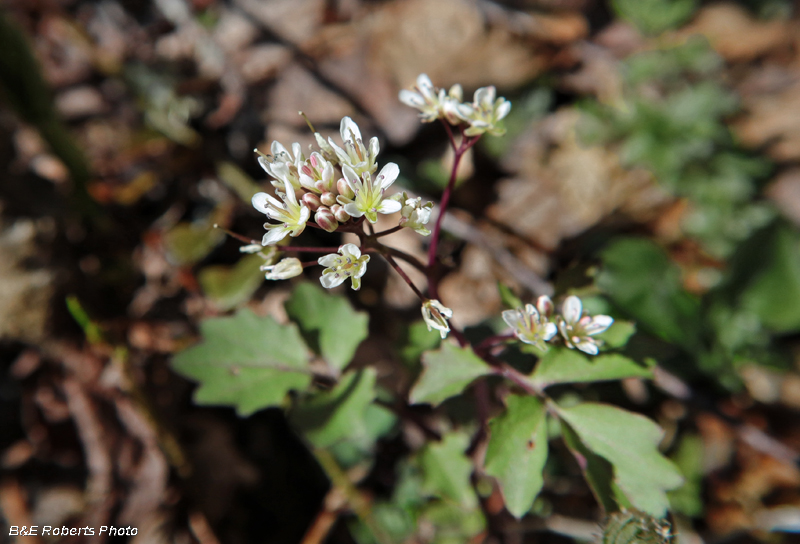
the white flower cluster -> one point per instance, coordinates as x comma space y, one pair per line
483, 115
335, 183
537, 325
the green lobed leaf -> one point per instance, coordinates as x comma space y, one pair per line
419, 340
245, 361
188, 243
655, 16
774, 293
642, 280
562, 365
597, 472
329, 323
517, 452
688, 499
618, 334
447, 372
230, 286
630, 443
331, 416
446, 469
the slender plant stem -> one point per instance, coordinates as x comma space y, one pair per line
387, 232
459, 151
402, 255
301, 249
493, 341
403, 275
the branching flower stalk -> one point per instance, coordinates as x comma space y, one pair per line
338, 188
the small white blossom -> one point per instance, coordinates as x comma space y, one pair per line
355, 155
415, 214
282, 165
578, 329
435, 315
530, 325
485, 113
350, 264
291, 214
424, 98
251, 248
285, 269
368, 199
434, 103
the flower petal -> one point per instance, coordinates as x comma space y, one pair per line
388, 206
572, 309
274, 235
387, 175
331, 280
598, 324
350, 250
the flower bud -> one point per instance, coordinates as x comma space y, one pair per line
320, 186
287, 268
328, 199
344, 189
312, 201
325, 219
341, 215
335, 208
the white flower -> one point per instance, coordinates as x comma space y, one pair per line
415, 215
285, 269
282, 165
350, 264
435, 315
368, 199
530, 325
578, 329
434, 103
291, 214
485, 113
354, 154
424, 98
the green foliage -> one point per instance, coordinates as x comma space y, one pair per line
328, 323
687, 499
447, 372
774, 293
231, 286
187, 243
562, 365
245, 361
517, 452
671, 121
630, 443
642, 280
237, 180
332, 416
419, 340
655, 16
446, 470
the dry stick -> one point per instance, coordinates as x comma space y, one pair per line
355, 498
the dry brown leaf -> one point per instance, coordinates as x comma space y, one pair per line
773, 120
562, 187
736, 35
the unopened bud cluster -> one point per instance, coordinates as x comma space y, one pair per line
331, 186
537, 325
